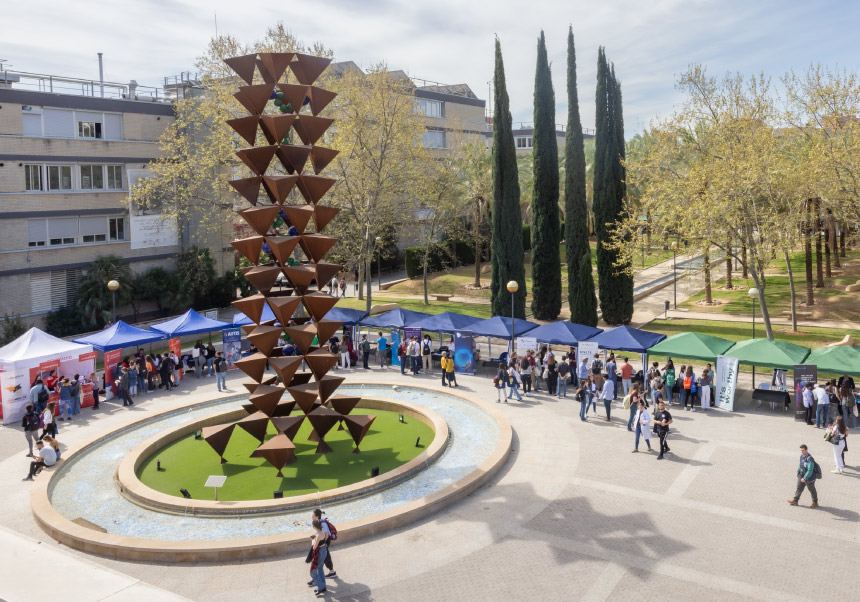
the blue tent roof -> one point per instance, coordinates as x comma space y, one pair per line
445, 322
120, 335
563, 333
500, 327
349, 317
189, 323
241, 319
625, 338
396, 318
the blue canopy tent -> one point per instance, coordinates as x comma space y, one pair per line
349, 317
241, 319
499, 327
625, 338
190, 322
120, 335
445, 322
396, 318
563, 333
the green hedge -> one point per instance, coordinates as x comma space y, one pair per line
414, 260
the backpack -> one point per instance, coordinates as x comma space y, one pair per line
43, 396
816, 471
28, 422
331, 528
76, 388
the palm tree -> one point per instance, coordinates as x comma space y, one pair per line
94, 298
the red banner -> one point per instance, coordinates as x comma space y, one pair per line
175, 346
112, 358
88, 356
87, 398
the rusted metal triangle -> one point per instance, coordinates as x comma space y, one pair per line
257, 158
243, 66
305, 396
260, 218
263, 277
277, 451
327, 328
300, 378
316, 246
246, 127
273, 64
328, 385
318, 304
321, 157
307, 67
265, 338
322, 419
358, 426
286, 366
320, 99
294, 95
255, 425
310, 128
314, 187
266, 397
283, 307
323, 214
293, 156
343, 404
251, 306
253, 365
298, 216
288, 425
282, 246
301, 276
275, 127
284, 408
249, 248
218, 437
254, 98
325, 272
250, 408
302, 336
279, 187
248, 188
320, 362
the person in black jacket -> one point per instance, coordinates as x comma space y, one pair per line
30, 424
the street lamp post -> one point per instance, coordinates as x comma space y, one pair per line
379, 262
113, 285
753, 293
512, 287
675, 274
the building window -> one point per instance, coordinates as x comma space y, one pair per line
430, 108
59, 177
33, 177
114, 177
93, 229
62, 231
434, 139
92, 177
37, 233
89, 129
116, 227
55, 289
524, 141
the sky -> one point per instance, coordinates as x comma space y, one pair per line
651, 42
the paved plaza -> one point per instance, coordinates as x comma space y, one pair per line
574, 515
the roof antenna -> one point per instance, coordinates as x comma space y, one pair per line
216, 24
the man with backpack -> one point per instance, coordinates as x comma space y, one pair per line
76, 394
30, 424
808, 471
220, 366
39, 395
365, 352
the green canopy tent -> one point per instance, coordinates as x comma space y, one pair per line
768, 354
836, 360
692, 345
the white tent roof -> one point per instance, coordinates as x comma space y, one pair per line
37, 345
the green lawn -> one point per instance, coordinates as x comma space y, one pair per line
188, 461
479, 310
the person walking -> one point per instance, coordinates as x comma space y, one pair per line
500, 382
807, 473
330, 535
75, 392
582, 395
669, 381
65, 399
822, 411
663, 419
837, 434
848, 404
319, 551
607, 394
219, 365
365, 352
426, 351
514, 382
612, 372
30, 424
626, 375
643, 425
631, 403
526, 375
563, 374
343, 348
448, 369
551, 373
124, 380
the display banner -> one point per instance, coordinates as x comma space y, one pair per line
112, 358
231, 339
15, 393
526, 343
803, 373
464, 353
175, 346
587, 350
88, 357
408, 333
726, 383
395, 343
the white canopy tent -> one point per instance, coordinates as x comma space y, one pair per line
28, 355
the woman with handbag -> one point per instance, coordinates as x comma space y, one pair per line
836, 436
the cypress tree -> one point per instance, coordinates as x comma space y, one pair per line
584, 303
576, 204
616, 285
546, 225
507, 236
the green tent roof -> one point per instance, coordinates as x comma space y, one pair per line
692, 345
769, 354
841, 359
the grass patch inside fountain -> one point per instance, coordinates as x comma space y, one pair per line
188, 462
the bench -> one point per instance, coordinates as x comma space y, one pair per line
442, 297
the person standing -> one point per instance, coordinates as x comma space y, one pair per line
514, 382
537, 370
669, 381
551, 373
401, 355
39, 395
382, 350
46, 457
607, 394
631, 403
199, 357
219, 365
75, 392
30, 424
343, 348
164, 372
448, 369
563, 373
124, 381
65, 399
822, 410
663, 419
526, 375
808, 403
330, 536
582, 395
93, 380
49, 426
365, 352
319, 551
500, 381
651, 383
597, 371
837, 438
848, 403
643, 425
426, 351
210, 359
612, 372
705, 388
626, 375
582, 371
806, 477
592, 394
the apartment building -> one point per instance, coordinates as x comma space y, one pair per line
69, 151
523, 136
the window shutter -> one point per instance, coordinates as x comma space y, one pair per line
113, 126
40, 292
37, 231
93, 225
59, 123
32, 124
58, 289
64, 227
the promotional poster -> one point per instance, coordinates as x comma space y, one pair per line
112, 358
175, 346
727, 380
464, 354
232, 345
803, 373
394, 342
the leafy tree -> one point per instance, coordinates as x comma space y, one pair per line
506, 243
94, 299
160, 286
65, 321
12, 328
476, 184
195, 271
575, 194
583, 304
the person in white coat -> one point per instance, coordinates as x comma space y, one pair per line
837, 433
643, 426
